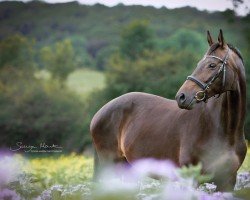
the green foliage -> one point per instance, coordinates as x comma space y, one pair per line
59, 59
35, 111
136, 38
243, 193
71, 173
186, 40
17, 52
157, 74
166, 56
81, 81
196, 173
247, 67
32, 113
246, 164
82, 24
70, 177
103, 56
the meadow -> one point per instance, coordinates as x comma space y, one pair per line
84, 81
71, 59
81, 81
70, 177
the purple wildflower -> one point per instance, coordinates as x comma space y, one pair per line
222, 196
243, 180
9, 194
180, 191
6, 152
159, 168
9, 169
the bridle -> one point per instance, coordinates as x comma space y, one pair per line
202, 94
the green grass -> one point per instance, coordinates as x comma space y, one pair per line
82, 81
43, 74
246, 164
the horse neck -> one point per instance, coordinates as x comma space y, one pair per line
231, 109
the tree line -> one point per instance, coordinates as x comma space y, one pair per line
34, 110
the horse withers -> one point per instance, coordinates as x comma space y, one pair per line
204, 125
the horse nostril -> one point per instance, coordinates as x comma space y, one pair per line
182, 98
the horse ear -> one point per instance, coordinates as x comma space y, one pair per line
221, 39
209, 39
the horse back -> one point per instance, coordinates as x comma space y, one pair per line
137, 125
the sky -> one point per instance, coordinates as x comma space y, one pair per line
210, 5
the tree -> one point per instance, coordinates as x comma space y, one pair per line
33, 112
155, 72
186, 40
240, 3
59, 60
17, 52
236, 3
158, 73
136, 38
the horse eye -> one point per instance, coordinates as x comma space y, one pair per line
212, 65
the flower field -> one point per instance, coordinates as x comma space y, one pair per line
70, 177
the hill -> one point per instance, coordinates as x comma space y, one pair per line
95, 30
95, 33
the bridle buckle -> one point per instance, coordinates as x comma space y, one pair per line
200, 95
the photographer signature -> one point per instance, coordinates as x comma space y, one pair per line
30, 148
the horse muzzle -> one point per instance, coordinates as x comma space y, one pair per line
184, 101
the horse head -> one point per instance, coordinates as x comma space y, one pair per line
216, 73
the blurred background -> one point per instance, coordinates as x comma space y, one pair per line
60, 62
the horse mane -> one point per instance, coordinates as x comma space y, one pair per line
233, 48
236, 50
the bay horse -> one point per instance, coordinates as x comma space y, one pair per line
205, 124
